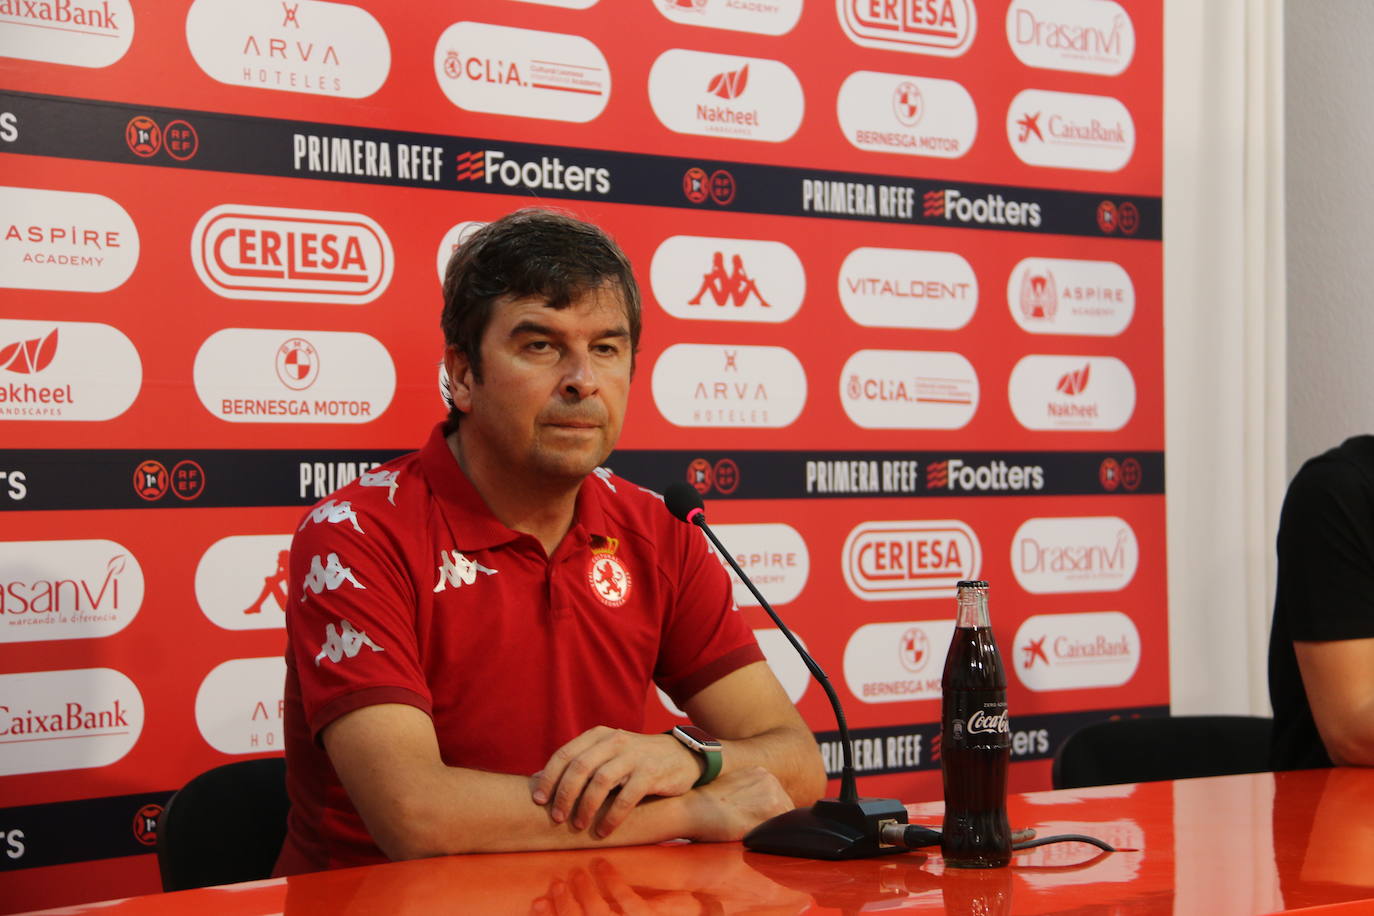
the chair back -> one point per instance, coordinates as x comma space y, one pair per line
224, 826
1164, 747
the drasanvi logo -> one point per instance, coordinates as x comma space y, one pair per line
1063, 296
52, 590
66, 370
80, 33
911, 115
496, 69
67, 720
897, 662
944, 28
715, 279
239, 705
908, 389
1076, 651
1071, 131
724, 385
241, 581
285, 255
774, 555
776, 17
456, 235
718, 95
304, 46
905, 288
782, 659
239, 376
1071, 392
899, 560
1052, 556
64, 240
1083, 36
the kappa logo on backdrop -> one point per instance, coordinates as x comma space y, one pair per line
273, 586
748, 280
457, 570
328, 576
26, 357
735, 287
346, 644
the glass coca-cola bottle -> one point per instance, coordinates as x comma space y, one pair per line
975, 739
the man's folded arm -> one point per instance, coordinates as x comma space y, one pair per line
1338, 676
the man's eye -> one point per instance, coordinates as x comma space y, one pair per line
538, 345
607, 349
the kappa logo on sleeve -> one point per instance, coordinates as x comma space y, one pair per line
390, 479
346, 644
327, 576
604, 475
333, 512
457, 570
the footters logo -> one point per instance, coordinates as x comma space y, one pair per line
493, 167
1076, 651
950, 205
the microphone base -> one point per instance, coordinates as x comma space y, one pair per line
829, 829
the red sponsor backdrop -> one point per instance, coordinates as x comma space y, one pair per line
167, 313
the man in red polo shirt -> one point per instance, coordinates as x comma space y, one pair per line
473, 629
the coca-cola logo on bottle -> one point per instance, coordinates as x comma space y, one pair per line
981, 723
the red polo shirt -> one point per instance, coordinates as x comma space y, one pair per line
406, 589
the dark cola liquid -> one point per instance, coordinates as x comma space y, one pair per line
975, 748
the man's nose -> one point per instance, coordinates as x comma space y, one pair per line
579, 378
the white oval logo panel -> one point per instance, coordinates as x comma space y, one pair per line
1083, 36
903, 288
896, 662
1085, 554
712, 279
1070, 131
888, 561
67, 720
944, 28
741, 386
454, 237
1075, 651
66, 370
718, 95
252, 375
911, 115
1071, 392
248, 252
241, 581
81, 33
782, 659
304, 46
1061, 296
776, 17
500, 70
773, 555
67, 589
239, 705
64, 240
908, 389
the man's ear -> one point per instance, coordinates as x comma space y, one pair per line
460, 377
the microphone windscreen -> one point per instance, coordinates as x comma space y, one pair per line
681, 498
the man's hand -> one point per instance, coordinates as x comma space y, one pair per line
737, 802
581, 775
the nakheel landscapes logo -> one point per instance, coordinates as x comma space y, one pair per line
66, 370
1072, 393
718, 95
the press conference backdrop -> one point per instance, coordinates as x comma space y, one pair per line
902, 276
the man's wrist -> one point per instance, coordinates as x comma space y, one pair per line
704, 747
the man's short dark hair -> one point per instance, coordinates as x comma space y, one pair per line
531, 252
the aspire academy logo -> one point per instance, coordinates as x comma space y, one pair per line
1063, 296
776, 17
64, 240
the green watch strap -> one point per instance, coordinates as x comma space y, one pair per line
711, 754
713, 762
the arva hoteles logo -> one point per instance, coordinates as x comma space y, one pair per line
66, 370
79, 33
741, 386
693, 92
239, 706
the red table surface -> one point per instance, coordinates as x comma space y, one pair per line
1232, 844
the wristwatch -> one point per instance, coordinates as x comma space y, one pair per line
708, 747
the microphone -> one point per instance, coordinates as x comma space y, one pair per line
847, 827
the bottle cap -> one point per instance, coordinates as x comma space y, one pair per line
971, 583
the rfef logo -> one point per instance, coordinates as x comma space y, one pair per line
66, 370
67, 720
64, 240
906, 288
1076, 651
897, 662
909, 389
717, 279
1071, 131
493, 166
80, 33
1071, 392
1079, 554
1083, 36
910, 115
900, 560
727, 385
51, 590
744, 98
249, 252
941, 27
1062, 296
239, 706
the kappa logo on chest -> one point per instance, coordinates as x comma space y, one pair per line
457, 570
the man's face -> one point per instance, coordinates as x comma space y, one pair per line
555, 383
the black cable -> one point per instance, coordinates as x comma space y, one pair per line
917, 836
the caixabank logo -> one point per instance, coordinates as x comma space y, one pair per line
497, 168
79, 33
704, 278
66, 370
1070, 130
775, 17
1076, 651
952, 205
241, 251
944, 28
67, 720
720, 95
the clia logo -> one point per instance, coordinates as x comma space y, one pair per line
944, 28
25, 357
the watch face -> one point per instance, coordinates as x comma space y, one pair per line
698, 736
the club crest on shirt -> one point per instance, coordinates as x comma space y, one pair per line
607, 576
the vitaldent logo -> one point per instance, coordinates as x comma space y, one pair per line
52, 590
1081, 554
500, 70
80, 33
897, 662
64, 240
249, 252
1071, 392
1062, 296
1071, 131
775, 17
900, 560
239, 705
958, 475
241, 581
909, 115
67, 720
493, 166
722, 386
905, 288
290, 45
944, 28
717, 279
1083, 36
252, 375
66, 370
951, 205
1076, 651
774, 555
743, 98
908, 389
